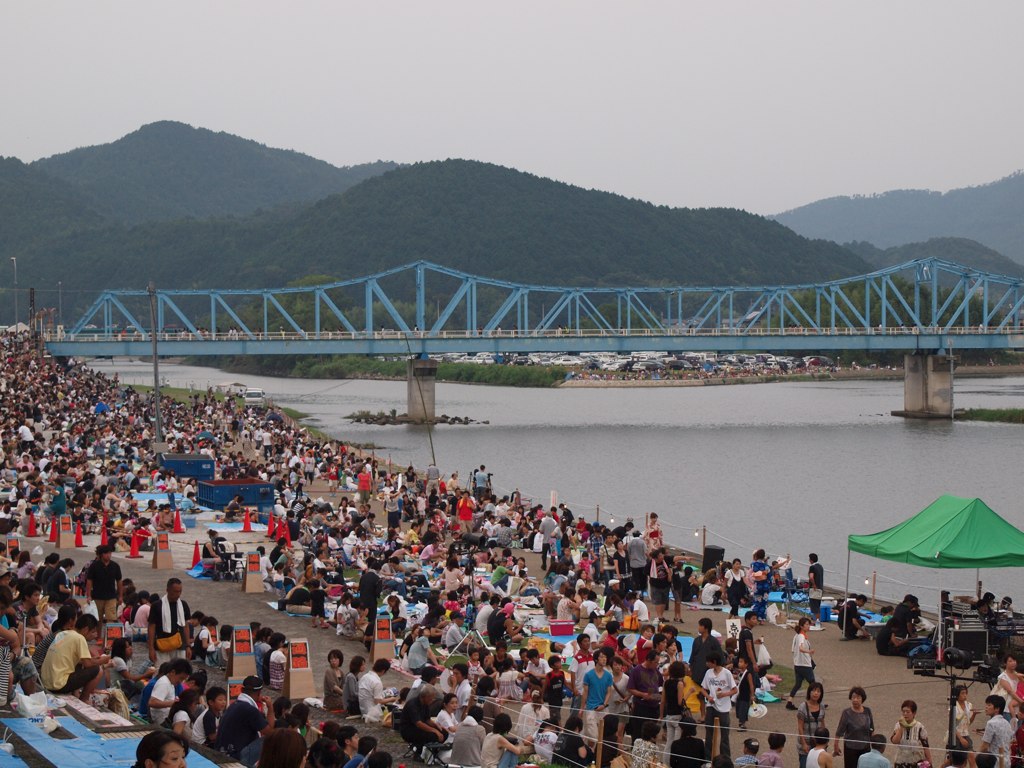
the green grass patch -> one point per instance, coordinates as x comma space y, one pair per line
1000, 415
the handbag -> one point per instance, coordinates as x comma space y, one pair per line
172, 643
630, 622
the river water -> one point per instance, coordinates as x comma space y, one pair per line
793, 468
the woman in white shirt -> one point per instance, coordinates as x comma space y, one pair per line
803, 663
446, 717
183, 711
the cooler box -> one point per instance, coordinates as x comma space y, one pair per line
826, 613
562, 627
217, 494
197, 465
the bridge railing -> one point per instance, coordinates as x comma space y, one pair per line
99, 336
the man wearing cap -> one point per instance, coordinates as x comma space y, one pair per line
250, 717
103, 583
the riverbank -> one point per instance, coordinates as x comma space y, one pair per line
999, 415
613, 381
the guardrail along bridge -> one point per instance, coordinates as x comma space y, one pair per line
927, 307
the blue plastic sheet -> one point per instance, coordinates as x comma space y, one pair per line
87, 749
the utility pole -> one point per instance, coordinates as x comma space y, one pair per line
14, 261
158, 432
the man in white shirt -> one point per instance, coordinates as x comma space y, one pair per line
164, 690
462, 688
719, 687
371, 692
995, 743
480, 624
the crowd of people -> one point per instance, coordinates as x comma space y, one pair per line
440, 557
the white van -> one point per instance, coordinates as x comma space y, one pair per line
254, 396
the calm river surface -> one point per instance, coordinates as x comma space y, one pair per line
789, 467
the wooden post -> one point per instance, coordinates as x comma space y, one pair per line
716, 738
162, 559
598, 521
874, 581
599, 752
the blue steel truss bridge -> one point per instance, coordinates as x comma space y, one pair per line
421, 309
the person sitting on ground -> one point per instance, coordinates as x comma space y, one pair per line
468, 741
159, 749
850, 618
418, 728
571, 750
498, 749
688, 750
164, 694
69, 666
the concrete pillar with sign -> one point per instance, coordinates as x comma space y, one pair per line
298, 674
383, 640
253, 581
162, 559
65, 533
241, 661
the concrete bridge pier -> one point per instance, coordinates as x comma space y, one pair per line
927, 387
421, 378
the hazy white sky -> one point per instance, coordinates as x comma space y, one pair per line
758, 105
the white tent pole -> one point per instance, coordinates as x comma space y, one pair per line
846, 597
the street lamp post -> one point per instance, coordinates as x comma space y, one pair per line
14, 261
158, 431
60, 302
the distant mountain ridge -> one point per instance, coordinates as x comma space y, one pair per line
991, 214
169, 170
955, 249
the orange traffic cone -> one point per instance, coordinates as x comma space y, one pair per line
53, 531
247, 525
270, 526
79, 542
134, 554
32, 525
178, 527
196, 557
103, 533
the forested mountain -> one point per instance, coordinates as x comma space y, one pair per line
992, 214
170, 170
34, 205
481, 218
504, 223
955, 249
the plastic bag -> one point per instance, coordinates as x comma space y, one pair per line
32, 706
90, 609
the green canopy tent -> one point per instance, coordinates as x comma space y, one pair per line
951, 532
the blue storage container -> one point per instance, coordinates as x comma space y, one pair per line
217, 494
197, 465
826, 614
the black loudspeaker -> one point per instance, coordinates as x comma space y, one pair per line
971, 641
713, 555
473, 539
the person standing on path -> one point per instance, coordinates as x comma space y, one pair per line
703, 646
168, 619
719, 687
762, 585
548, 526
103, 583
856, 725
815, 585
637, 551
735, 587
597, 693
803, 661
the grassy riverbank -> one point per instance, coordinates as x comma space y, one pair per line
356, 367
1000, 415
